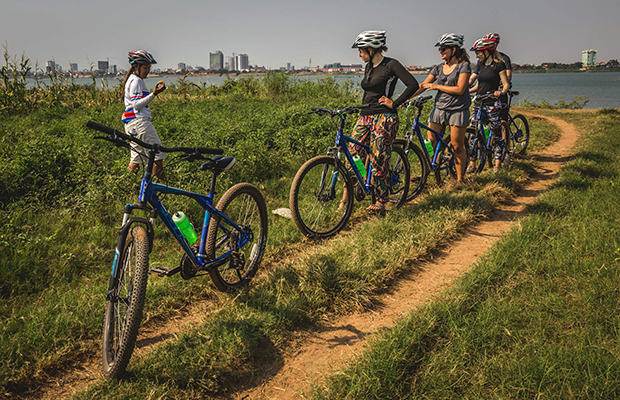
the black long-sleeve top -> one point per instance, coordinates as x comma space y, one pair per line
382, 81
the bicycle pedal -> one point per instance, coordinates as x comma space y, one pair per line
163, 271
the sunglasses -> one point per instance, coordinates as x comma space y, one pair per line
442, 49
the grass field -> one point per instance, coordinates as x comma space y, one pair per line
61, 208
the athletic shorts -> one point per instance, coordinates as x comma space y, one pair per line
143, 129
449, 118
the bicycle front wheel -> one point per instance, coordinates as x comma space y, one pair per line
321, 198
244, 205
477, 150
399, 176
418, 167
519, 134
125, 302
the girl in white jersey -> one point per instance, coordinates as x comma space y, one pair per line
137, 115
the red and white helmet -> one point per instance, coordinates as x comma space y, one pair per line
141, 57
484, 44
492, 36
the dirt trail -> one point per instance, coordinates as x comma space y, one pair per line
329, 348
332, 345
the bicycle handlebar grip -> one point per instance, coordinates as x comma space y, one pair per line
101, 128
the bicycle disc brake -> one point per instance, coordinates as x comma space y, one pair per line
237, 259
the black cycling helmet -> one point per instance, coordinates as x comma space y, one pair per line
141, 57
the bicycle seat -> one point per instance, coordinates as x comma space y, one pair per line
218, 164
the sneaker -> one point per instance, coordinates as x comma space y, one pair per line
496, 168
470, 170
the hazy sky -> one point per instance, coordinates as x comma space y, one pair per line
274, 32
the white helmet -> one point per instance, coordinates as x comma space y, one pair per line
374, 39
450, 40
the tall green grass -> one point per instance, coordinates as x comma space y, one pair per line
536, 317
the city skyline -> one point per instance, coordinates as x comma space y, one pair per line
274, 33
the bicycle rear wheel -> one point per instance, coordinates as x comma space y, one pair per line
399, 178
125, 302
477, 149
519, 134
245, 206
446, 167
418, 167
321, 198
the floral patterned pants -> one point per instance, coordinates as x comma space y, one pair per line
378, 131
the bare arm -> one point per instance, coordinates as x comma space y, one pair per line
473, 78
505, 84
429, 79
459, 89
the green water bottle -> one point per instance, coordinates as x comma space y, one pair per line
486, 133
360, 165
429, 147
186, 228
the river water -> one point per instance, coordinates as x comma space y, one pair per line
601, 88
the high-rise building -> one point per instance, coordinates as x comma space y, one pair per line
242, 62
73, 67
216, 60
50, 66
588, 58
182, 65
102, 66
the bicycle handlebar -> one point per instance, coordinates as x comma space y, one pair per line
347, 110
418, 102
120, 139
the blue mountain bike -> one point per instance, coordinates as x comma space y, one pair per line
481, 142
231, 247
422, 160
322, 192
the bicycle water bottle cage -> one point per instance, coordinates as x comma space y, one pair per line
218, 164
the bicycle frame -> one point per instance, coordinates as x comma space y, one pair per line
415, 128
480, 116
341, 145
148, 194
